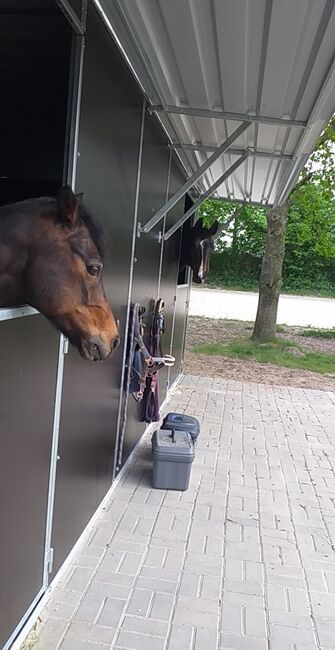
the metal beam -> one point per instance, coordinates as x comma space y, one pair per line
205, 196
193, 179
256, 204
232, 150
226, 115
71, 15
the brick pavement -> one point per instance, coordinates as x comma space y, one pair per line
243, 560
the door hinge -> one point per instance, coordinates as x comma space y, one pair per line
50, 560
66, 346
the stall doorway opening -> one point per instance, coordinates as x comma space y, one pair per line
35, 63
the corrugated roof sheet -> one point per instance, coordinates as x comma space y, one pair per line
266, 60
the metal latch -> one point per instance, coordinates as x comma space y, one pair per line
50, 560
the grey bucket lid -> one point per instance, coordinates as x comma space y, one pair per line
171, 445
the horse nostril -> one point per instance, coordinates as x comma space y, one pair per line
115, 343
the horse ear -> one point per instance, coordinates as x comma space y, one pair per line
213, 230
67, 204
198, 225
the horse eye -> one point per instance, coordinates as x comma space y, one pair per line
93, 270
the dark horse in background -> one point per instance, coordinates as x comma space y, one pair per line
51, 257
197, 245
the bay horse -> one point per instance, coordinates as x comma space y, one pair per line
51, 257
197, 245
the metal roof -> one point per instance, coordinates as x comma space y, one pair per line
205, 66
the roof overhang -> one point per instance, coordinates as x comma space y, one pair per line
206, 66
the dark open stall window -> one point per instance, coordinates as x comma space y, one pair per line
35, 55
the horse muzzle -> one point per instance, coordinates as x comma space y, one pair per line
95, 348
198, 280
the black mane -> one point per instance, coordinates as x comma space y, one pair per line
95, 230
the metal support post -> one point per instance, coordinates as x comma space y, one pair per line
205, 196
193, 179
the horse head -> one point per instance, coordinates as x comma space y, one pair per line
63, 276
197, 248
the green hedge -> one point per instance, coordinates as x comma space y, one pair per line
241, 272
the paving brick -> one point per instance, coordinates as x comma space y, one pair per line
198, 604
108, 589
255, 623
238, 598
111, 612
75, 644
134, 640
287, 645
164, 574
89, 608
79, 579
161, 606
298, 601
90, 633
62, 611
252, 588
292, 634
140, 602
287, 619
205, 639
51, 634
145, 625
326, 631
130, 563
238, 642
210, 587
195, 619
153, 584
323, 605
181, 638
232, 619
156, 556
113, 578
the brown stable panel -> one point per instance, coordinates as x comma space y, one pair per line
153, 185
28, 362
109, 137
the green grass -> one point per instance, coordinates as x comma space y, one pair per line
278, 352
319, 333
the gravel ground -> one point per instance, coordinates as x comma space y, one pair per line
207, 330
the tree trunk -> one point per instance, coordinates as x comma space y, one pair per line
237, 215
271, 275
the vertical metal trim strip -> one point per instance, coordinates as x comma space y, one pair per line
78, 76
119, 443
53, 459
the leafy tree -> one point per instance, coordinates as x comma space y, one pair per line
315, 186
308, 221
